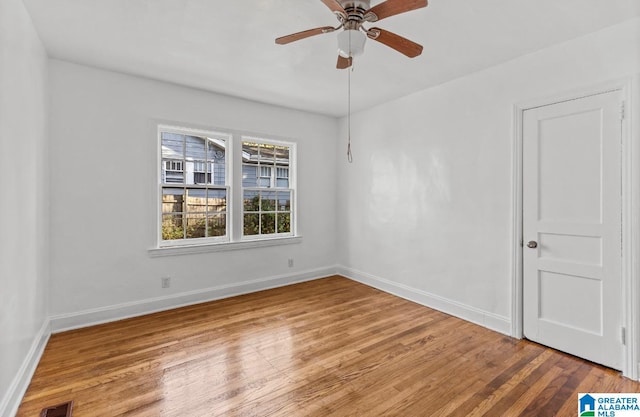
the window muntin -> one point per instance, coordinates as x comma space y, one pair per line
194, 186
267, 196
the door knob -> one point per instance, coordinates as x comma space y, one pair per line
532, 244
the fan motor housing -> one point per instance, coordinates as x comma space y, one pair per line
364, 5
355, 9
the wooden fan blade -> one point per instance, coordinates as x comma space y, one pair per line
392, 8
343, 62
335, 7
397, 42
304, 34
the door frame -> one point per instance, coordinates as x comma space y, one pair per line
630, 279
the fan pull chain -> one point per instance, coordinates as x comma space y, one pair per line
349, 154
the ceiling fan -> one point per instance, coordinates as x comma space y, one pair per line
352, 14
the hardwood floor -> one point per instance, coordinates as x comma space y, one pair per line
330, 347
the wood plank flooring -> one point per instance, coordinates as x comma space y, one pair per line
330, 347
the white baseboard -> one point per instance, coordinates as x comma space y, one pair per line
11, 400
64, 322
475, 315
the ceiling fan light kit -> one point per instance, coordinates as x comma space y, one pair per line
351, 43
352, 15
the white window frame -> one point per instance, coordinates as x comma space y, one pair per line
228, 164
272, 187
234, 238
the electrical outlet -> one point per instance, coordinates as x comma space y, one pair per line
290, 262
165, 282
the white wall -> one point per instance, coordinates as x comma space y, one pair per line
427, 202
104, 190
24, 270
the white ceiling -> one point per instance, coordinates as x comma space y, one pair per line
227, 46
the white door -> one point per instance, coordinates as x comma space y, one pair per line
572, 227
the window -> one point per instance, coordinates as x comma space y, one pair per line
197, 195
173, 171
202, 172
194, 186
267, 207
282, 177
265, 177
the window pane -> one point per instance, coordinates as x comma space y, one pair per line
172, 146
284, 222
196, 201
195, 148
251, 201
268, 225
251, 224
201, 178
218, 173
172, 158
172, 200
172, 227
282, 155
264, 182
267, 153
216, 150
195, 226
217, 201
195, 156
217, 225
249, 176
268, 201
284, 200
250, 151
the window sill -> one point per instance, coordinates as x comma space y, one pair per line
222, 247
